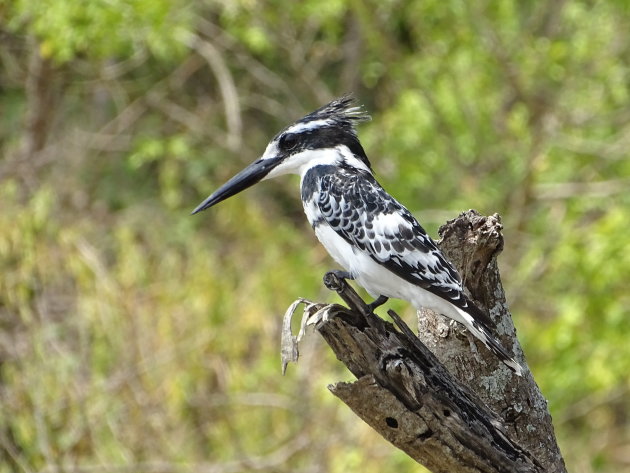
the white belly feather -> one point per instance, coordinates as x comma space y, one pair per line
378, 280
372, 276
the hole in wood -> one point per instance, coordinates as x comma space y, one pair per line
391, 422
425, 435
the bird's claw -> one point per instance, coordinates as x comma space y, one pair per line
342, 274
379, 301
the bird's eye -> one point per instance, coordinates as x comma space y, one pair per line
288, 142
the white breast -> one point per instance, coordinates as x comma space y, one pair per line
376, 279
372, 276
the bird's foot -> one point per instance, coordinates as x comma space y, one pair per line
342, 274
379, 301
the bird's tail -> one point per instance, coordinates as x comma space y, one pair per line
482, 332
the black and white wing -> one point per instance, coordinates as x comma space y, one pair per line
367, 217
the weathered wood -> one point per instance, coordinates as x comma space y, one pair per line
473, 242
457, 411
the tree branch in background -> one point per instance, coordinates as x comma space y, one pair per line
454, 407
40, 107
39, 113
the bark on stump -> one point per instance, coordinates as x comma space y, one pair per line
442, 397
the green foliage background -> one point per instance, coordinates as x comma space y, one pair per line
134, 337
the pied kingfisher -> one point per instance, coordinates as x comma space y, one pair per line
368, 232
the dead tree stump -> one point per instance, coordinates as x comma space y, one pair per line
441, 396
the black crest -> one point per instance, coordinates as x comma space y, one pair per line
345, 111
329, 126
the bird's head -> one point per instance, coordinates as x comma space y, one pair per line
326, 136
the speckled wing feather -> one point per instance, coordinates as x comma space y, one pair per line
359, 209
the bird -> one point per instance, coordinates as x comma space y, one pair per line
376, 239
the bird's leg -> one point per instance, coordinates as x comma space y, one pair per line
379, 301
342, 274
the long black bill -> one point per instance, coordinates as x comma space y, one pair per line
244, 179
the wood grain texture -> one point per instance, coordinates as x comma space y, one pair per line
451, 407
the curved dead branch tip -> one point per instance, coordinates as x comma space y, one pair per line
396, 364
315, 312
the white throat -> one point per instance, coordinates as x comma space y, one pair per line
301, 162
